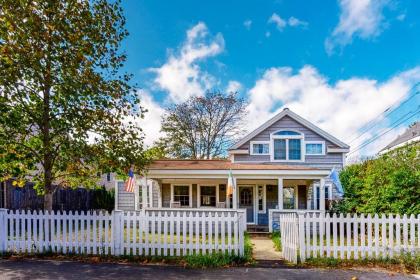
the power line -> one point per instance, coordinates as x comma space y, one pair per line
388, 111
382, 134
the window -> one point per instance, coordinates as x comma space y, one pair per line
327, 197
315, 148
294, 149
279, 149
181, 194
261, 199
208, 196
287, 146
288, 198
260, 148
245, 197
108, 177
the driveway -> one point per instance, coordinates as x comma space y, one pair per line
43, 269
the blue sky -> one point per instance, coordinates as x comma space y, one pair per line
337, 63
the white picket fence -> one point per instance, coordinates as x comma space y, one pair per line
140, 233
312, 235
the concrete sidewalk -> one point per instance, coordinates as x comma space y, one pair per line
66, 270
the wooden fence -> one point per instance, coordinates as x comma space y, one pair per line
138, 233
315, 235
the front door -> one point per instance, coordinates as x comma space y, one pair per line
302, 197
246, 201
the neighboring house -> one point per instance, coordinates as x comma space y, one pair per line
283, 164
410, 136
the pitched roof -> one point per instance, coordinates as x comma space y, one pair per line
411, 133
296, 117
177, 164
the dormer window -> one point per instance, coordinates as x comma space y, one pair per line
287, 145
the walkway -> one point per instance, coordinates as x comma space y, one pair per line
264, 249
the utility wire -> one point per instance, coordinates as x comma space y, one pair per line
388, 111
394, 125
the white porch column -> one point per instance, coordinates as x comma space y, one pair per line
136, 196
235, 194
314, 194
322, 194
115, 195
280, 193
144, 193
150, 195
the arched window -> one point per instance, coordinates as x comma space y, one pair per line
287, 145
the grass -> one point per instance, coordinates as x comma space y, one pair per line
405, 263
275, 237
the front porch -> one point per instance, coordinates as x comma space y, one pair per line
256, 191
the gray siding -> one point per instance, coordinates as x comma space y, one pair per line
327, 161
125, 199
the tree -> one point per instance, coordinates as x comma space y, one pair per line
203, 127
387, 184
65, 104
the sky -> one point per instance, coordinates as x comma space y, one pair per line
339, 64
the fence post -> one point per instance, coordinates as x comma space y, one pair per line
3, 231
117, 231
301, 234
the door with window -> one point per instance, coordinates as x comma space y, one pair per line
246, 201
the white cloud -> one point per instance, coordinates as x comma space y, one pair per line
292, 21
341, 108
248, 24
358, 18
282, 23
267, 34
151, 123
181, 76
278, 21
233, 86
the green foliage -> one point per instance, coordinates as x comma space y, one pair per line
66, 108
275, 237
388, 184
103, 199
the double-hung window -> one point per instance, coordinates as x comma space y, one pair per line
181, 194
208, 196
287, 146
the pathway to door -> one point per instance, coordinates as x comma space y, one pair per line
264, 252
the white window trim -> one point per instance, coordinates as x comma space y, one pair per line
199, 194
189, 193
287, 137
251, 148
316, 142
264, 199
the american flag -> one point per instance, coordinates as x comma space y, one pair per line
129, 185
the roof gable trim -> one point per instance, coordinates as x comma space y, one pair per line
296, 117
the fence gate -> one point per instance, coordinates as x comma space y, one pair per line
289, 234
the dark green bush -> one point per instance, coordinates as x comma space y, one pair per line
387, 184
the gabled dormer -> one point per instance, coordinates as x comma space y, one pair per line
288, 138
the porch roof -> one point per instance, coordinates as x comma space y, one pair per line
219, 165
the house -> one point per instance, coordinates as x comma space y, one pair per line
283, 164
410, 136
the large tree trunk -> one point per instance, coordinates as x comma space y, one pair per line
48, 200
